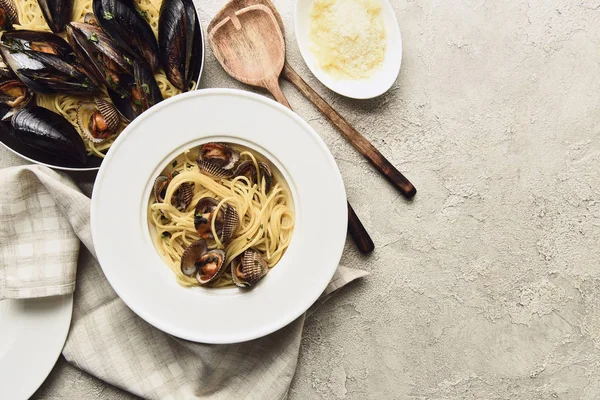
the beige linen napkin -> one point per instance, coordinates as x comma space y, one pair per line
42, 218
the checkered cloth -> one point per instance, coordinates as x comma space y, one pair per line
43, 216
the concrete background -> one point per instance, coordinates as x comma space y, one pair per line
487, 285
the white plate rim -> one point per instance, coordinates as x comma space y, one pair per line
147, 316
43, 349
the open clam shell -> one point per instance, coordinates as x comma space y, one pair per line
183, 196
213, 170
226, 219
160, 188
210, 266
98, 121
191, 255
248, 268
219, 154
266, 174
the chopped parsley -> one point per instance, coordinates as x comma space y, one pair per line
128, 60
108, 16
166, 234
93, 38
147, 90
174, 162
143, 14
138, 103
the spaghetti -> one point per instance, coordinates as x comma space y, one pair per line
266, 217
31, 18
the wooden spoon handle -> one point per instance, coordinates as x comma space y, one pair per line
359, 142
358, 232
356, 229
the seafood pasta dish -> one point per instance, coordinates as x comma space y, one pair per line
222, 216
97, 64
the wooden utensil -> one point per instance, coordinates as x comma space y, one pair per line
360, 143
249, 44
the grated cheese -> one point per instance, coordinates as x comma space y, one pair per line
348, 37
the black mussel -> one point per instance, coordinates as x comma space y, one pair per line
219, 154
137, 93
8, 14
248, 268
177, 27
95, 48
56, 13
45, 63
98, 121
49, 132
126, 26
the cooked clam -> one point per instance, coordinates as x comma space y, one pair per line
50, 132
14, 95
8, 14
248, 169
226, 219
219, 154
213, 170
98, 121
191, 255
210, 266
248, 268
181, 198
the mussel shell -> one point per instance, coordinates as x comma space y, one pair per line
95, 48
85, 112
8, 14
141, 92
50, 132
219, 154
192, 254
248, 268
212, 170
126, 26
216, 257
45, 63
177, 26
56, 13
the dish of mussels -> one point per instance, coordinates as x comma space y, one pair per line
72, 74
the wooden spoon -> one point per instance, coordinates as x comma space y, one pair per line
249, 44
360, 143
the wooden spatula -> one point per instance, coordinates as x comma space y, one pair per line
249, 45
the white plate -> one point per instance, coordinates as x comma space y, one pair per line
32, 335
125, 248
383, 78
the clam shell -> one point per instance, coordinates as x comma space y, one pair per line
227, 159
190, 255
108, 112
159, 185
11, 10
231, 221
247, 169
205, 205
183, 196
213, 170
216, 257
267, 174
248, 268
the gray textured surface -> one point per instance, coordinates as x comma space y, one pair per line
487, 285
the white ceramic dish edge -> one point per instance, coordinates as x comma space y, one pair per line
200, 337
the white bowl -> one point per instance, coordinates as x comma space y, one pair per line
125, 247
382, 79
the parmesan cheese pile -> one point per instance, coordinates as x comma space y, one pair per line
348, 37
